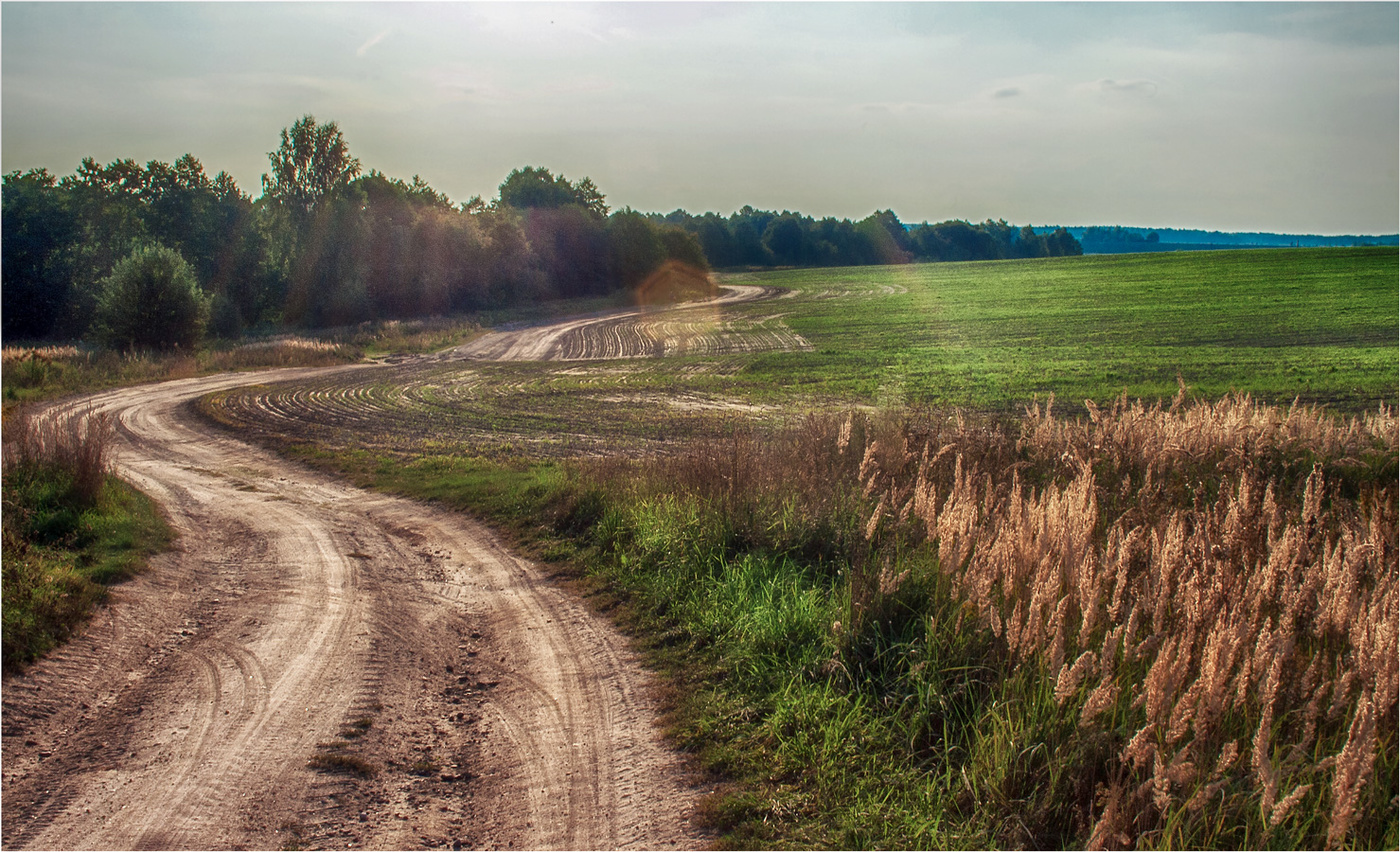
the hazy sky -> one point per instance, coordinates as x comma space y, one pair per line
1253, 116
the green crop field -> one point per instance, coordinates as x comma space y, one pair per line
1317, 324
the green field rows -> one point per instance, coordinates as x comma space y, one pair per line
1315, 325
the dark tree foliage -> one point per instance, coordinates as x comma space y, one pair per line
1118, 236
39, 233
312, 164
532, 187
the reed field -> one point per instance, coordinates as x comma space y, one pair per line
1155, 626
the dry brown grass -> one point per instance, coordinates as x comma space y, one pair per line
11, 355
1220, 577
78, 444
1211, 588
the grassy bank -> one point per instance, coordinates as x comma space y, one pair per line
70, 530
1161, 627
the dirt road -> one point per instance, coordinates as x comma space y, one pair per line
687, 328
320, 666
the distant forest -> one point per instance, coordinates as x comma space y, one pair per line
1117, 239
328, 245
763, 238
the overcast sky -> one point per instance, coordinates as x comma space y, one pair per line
1248, 116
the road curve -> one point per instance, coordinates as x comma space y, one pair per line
699, 327
451, 696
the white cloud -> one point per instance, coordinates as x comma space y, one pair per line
373, 40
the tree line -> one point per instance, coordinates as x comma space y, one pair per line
121, 253
765, 238
325, 245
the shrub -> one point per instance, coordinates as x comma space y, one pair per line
151, 301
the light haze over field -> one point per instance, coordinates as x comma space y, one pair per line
1223, 116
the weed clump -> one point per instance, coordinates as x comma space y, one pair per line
337, 761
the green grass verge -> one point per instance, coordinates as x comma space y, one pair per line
60, 554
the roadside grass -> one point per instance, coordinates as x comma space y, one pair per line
1150, 626
71, 529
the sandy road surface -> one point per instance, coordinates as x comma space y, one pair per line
301, 617
687, 328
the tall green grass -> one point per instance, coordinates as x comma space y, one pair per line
70, 529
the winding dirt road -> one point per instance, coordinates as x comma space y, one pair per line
318, 666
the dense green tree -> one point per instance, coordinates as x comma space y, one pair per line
107, 204
327, 274
317, 212
678, 244
888, 237
786, 239
1061, 243
39, 231
532, 187
635, 248
312, 164
151, 301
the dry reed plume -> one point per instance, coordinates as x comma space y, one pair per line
1220, 579
14, 354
